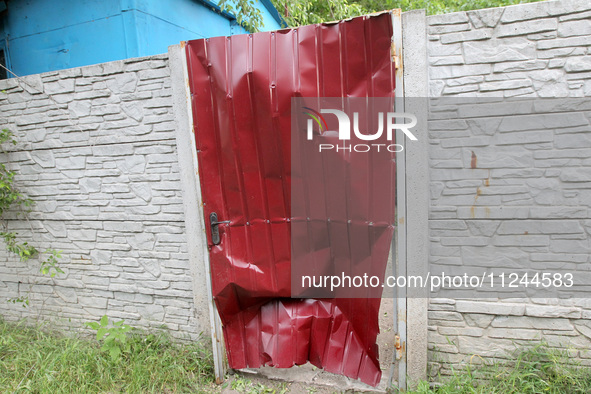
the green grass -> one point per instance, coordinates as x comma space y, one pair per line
38, 361
537, 369
33, 360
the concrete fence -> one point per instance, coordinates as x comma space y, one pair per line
510, 192
97, 152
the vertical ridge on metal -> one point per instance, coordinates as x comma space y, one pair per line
241, 90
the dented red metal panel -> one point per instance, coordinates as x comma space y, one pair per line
241, 89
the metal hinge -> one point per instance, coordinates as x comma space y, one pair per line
395, 56
399, 348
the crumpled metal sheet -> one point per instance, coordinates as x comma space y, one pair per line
241, 90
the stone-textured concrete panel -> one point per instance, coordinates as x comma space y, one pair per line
97, 154
509, 191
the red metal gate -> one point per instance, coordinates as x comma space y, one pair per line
241, 89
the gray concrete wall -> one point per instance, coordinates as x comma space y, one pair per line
416, 207
507, 194
97, 154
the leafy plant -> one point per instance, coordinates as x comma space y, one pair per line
50, 266
434, 7
305, 12
12, 198
246, 12
9, 194
24, 301
114, 338
23, 250
7, 135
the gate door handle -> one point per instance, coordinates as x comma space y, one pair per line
215, 231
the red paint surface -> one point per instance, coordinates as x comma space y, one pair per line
241, 90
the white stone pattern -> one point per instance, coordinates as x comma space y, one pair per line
96, 153
510, 191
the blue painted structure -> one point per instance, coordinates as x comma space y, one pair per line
47, 35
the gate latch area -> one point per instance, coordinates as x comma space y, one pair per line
215, 231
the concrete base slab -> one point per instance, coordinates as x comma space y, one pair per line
311, 376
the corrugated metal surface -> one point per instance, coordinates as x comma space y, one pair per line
342, 198
241, 97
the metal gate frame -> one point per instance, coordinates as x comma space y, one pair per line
193, 206
411, 240
398, 366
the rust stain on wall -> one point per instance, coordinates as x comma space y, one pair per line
473, 160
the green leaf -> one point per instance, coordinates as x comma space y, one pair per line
101, 333
104, 321
92, 324
115, 352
